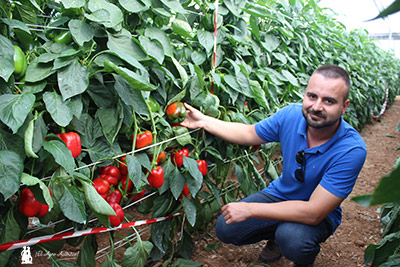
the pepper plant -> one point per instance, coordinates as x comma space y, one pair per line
109, 70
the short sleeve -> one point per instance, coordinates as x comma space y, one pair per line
268, 129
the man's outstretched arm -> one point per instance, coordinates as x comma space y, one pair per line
233, 132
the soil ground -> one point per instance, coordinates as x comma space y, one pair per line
360, 225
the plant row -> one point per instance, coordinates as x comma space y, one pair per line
83, 82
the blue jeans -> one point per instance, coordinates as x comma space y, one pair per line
296, 241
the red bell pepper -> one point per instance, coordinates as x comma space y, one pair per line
116, 220
130, 184
114, 196
29, 206
186, 190
111, 174
144, 139
123, 167
162, 157
102, 186
177, 157
138, 195
156, 177
202, 166
73, 142
176, 112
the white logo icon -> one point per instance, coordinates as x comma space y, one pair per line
26, 257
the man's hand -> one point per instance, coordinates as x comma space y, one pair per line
235, 212
194, 118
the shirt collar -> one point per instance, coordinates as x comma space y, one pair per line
302, 131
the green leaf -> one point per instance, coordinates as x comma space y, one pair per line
183, 140
30, 180
133, 6
134, 170
271, 43
158, 233
279, 56
153, 48
198, 57
388, 189
16, 24
369, 254
182, 28
181, 70
159, 35
206, 39
215, 152
136, 256
176, 182
61, 154
81, 31
122, 45
259, 94
95, 201
10, 232
135, 80
102, 150
87, 252
15, 108
62, 62
73, 3
111, 122
193, 167
35, 87
6, 58
86, 128
393, 8
73, 79
59, 110
174, 5
186, 263
131, 96
37, 72
190, 210
290, 78
11, 167
12, 142
186, 247
105, 13
389, 245
363, 200
72, 204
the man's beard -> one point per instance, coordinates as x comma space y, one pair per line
321, 123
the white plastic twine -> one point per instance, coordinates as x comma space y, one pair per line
383, 107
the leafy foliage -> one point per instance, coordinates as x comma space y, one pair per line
93, 66
387, 193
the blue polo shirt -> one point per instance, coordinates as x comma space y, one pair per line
334, 165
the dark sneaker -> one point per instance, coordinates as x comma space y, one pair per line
270, 253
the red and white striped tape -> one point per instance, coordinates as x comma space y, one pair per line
383, 107
48, 238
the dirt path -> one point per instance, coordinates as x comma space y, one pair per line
360, 226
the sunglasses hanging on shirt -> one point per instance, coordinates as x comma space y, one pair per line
299, 173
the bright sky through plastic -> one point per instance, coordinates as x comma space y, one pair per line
356, 14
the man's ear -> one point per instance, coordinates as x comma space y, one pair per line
345, 105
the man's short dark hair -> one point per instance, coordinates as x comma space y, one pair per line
335, 72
